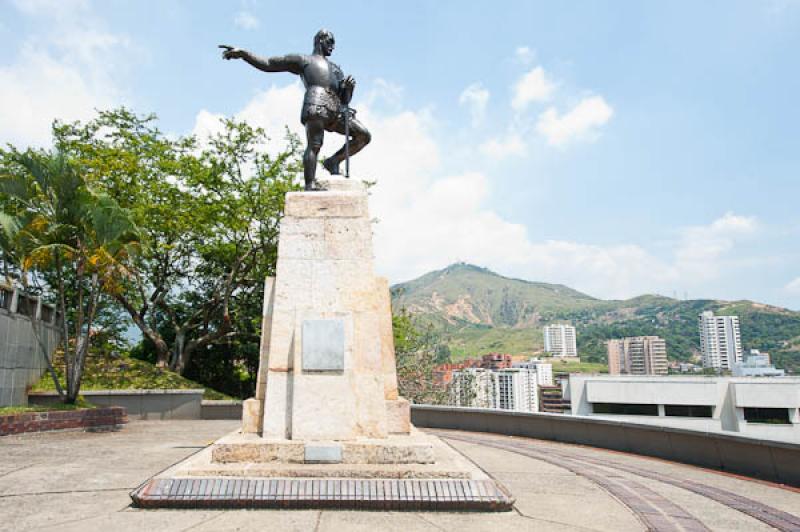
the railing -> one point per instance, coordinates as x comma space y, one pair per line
768, 460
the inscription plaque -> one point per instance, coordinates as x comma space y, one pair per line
323, 345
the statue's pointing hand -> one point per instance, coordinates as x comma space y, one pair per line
230, 52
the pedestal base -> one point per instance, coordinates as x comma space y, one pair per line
448, 482
238, 447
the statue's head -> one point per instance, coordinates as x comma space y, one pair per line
324, 43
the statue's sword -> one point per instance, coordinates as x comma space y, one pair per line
347, 141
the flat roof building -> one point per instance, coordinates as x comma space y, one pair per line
559, 340
762, 407
637, 355
720, 341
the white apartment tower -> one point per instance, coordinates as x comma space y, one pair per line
542, 370
559, 340
513, 389
720, 341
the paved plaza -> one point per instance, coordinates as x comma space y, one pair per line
81, 481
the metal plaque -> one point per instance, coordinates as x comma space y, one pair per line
323, 345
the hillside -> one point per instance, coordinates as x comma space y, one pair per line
477, 311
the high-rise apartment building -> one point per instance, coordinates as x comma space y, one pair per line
474, 387
720, 341
637, 355
543, 370
513, 389
559, 340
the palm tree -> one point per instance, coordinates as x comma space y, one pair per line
76, 238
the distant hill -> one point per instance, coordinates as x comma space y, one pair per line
477, 311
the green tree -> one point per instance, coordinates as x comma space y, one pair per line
416, 357
209, 217
74, 237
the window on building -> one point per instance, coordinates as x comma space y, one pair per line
625, 409
688, 410
775, 416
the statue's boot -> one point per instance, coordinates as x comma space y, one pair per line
331, 164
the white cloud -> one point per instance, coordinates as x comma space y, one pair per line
272, 109
246, 20
502, 148
429, 218
793, 286
534, 86
65, 71
524, 55
701, 249
580, 123
475, 97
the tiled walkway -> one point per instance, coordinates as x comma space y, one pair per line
81, 481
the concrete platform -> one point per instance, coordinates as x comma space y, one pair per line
74, 481
266, 474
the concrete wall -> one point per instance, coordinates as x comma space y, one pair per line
769, 460
140, 404
22, 361
229, 409
727, 396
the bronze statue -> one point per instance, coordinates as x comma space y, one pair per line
326, 103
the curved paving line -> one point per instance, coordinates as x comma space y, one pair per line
769, 515
656, 512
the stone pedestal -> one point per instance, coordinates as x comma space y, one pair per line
327, 404
330, 357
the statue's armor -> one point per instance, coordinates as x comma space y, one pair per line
322, 79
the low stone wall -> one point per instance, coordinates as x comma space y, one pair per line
229, 409
140, 404
110, 418
768, 460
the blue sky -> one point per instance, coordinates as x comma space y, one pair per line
616, 147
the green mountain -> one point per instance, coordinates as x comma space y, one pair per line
476, 311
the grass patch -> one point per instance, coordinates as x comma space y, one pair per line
126, 373
559, 366
81, 403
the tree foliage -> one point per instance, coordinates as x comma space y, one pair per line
74, 237
209, 215
418, 352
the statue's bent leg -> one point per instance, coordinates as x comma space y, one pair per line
315, 132
359, 137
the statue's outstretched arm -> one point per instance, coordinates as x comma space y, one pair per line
282, 63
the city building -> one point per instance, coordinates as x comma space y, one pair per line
551, 400
542, 369
761, 407
514, 389
559, 340
496, 361
474, 387
756, 365
637, 355
720, 341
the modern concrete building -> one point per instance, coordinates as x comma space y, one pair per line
762, 407
559, 340
720, 341
756, 365
637, 355
27, 331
